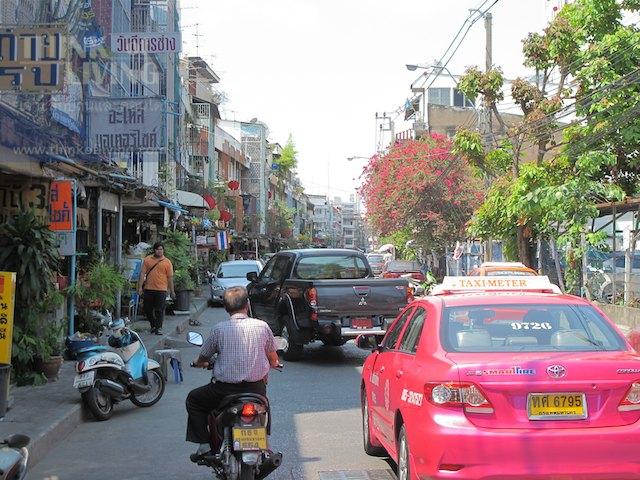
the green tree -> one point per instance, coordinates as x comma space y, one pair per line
587, 64
288, 158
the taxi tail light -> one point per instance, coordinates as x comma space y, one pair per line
455, 394
312, 299
631, 400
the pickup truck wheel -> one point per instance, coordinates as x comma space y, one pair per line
293, 351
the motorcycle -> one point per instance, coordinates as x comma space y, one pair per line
108, 375
239, 430
14, 457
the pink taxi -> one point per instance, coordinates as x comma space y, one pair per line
503, 377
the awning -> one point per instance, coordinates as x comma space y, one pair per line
172, 206
190, 199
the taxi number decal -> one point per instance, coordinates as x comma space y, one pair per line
531, 326
413, 398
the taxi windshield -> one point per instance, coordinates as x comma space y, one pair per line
527, 327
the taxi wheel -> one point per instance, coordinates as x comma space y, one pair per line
369, 448
404, 472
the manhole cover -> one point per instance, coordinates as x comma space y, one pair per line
358, 475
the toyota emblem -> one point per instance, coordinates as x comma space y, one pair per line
556, 371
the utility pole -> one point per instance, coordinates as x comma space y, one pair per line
488, 123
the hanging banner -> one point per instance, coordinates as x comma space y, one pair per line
129, 124
61, 206
145, 42
7, 302
222, 240
32, 59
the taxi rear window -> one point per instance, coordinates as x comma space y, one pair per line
531, 327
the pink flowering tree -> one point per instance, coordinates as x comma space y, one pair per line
420, 187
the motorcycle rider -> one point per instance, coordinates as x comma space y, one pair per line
246, 351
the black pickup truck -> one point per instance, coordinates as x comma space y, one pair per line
324, 294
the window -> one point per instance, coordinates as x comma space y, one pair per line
331, 267
412, 334
391, 339
460, 99
276, 268
232, 270
528, 327
440, 96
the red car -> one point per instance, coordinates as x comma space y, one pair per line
503, 377
400, 268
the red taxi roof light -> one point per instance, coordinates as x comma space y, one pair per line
631, 400
456, 394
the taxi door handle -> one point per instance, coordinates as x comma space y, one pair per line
399, 373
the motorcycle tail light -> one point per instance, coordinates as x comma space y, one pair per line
454, 394
249, 410
631, 400
79, 366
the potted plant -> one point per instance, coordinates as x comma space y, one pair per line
177, 248
51, 357
184, 285
97, 289
29, 248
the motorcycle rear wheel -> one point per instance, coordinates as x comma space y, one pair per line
247, 472
99, 404
157, 390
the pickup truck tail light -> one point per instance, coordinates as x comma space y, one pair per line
410, 294
631, 400
312, 298
455, 394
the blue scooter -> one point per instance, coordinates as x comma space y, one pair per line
108, 375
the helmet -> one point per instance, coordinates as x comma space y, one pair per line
117, 327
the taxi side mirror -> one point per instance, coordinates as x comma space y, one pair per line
367, 342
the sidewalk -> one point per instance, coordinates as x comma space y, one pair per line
50, 412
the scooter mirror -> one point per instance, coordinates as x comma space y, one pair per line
194, 338
17, 441
281, 343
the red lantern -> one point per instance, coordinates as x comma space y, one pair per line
234, 185
225, 216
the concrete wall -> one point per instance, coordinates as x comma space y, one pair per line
627, 318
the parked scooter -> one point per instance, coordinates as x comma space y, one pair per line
107, 376
239, 430
14, 457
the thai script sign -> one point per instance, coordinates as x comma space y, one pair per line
125, 124
61, 206
19, 195
148, 42
32, 60
7, 301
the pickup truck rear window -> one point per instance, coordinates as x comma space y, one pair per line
331, 267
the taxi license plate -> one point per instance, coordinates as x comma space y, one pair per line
249, 438
361, 323
84, 379
556, 406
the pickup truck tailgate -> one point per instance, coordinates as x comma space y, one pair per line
361, 298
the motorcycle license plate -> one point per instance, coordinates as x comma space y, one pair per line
249, 438
84, 379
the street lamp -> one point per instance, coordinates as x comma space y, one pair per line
350, 159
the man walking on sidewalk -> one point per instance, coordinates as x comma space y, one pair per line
156, 279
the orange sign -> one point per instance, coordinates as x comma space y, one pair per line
61, 206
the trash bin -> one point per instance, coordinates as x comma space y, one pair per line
5, 378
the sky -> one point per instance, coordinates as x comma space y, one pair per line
321, 69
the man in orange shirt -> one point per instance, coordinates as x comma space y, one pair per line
156, 279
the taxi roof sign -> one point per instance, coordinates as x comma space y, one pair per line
500, 283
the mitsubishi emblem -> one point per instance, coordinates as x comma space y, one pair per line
556, 371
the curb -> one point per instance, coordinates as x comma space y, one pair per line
41, 446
